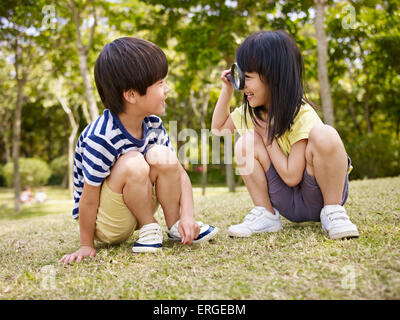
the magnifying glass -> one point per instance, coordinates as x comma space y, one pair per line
236, 77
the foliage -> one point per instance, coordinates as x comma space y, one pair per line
374, 155
59, 168
33, 172
2, 179
199, 38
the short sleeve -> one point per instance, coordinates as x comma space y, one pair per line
158, 134
239, 122
98, 156
164, 139
303, 123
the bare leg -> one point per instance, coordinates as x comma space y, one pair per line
253, 162
327, 161
130, 176
165, 173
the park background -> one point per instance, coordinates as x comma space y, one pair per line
351, 52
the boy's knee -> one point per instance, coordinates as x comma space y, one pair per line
162, 158
133, 165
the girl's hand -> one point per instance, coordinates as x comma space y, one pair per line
262, 129
79, 255
227, 84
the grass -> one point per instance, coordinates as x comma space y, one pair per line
298, 263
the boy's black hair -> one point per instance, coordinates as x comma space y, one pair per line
124, 64
275, 56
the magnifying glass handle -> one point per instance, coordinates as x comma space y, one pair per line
228, 77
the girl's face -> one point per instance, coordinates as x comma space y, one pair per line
256, 90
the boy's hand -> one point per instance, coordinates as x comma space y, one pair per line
79, 255
188, 229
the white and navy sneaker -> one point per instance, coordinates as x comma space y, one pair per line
336, 222
259, 220
150, 239
207, 232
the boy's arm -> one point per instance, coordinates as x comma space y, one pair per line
290, 168
188, 228
88, 206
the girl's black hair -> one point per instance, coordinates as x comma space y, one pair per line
124, 64
275, 56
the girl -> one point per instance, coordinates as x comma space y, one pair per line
298, 165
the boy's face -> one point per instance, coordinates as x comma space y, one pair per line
153, 102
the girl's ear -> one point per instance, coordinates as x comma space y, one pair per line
130, 96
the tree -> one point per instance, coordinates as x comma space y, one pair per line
21, 24
60, 93
325, 90
76, 10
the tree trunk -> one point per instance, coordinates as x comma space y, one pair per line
86, 112
87, 83
350, 109
204, 144
5, 127
16, 143
82, 55
367, 112
230, 178
324, 91
71, 141
204, 96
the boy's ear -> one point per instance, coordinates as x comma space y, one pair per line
130, 96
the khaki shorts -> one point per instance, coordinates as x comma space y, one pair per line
115, 222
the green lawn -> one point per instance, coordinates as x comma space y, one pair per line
298, 263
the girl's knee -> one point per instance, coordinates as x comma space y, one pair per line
248, 143
249, 148
324, 138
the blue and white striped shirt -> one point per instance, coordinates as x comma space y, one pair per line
103, 141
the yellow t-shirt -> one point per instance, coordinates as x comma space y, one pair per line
304, 121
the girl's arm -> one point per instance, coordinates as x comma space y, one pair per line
290, 168
222, 123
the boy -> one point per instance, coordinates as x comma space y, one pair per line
124, 162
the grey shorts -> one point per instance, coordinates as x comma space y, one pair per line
302, 202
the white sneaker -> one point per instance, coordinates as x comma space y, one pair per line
207, 232
257, 221
336, 222
150, 239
